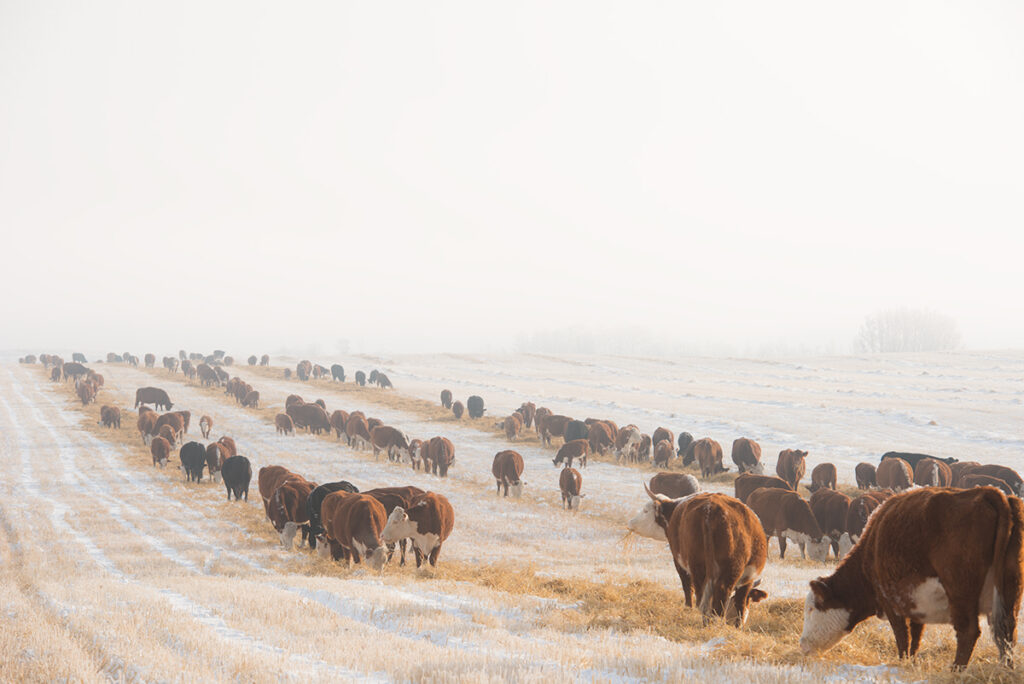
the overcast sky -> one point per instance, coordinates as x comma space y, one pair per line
414, 176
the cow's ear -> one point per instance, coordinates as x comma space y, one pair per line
820, 589
756, 595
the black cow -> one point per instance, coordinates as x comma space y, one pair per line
79, 357
576, 429
237, 473
914, 459
316, 499
338, 372
685, 440
475, 407
361, 378
193, 460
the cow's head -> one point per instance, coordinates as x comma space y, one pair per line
398, 526
846, 543
322, 546
377, 558
817, 549
169, 406
574, 501
516, 489
756, 469
736, 610
646, 522
826, 619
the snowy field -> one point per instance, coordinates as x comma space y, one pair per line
114, 569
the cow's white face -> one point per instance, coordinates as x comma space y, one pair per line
823, 627
818, 550
288, 535
398, 526
758, 469
644, 523
323, 547
517, 489
377, 558
845, 544
574, 502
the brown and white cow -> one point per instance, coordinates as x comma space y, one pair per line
230, 444
748, 482
791, 466
662, 433
570, 482
930, 472
513, 425
391, 498
787, 515
1007, 475
719, 550
674, 485
831, 509
928, 556
205, 425
865, 474
823, 476
357, 430
389, 440
147, 425
601, 437
338, 420
267, 480
507, 469
895, 474
168, 433
353, 526
746, 454
428, 521
708, 454
287, 509
441, 454
627, 442
575, 449
664, 452
216, 454
160, 448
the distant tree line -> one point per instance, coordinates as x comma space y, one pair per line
907, 330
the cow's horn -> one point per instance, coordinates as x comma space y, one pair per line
649, 492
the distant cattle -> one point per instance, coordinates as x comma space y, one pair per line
86, 392
865, 473
823, 476
428, 521
457, 410
309, 416
383, 381
748, 482
160, 449
361, 378
337, 372
441, 453
237, 474
786, 515
155, 396
970, 481
507, 469
475, 407
252, 360
513, 425
1007, 475
252, 399
931, 555
570, 482
746, 454
303, 370
576, 449
529, 411
55, 374
674, 485
314, 502
168, 433
73, 370
894, 473
174, 420
78, 357
685, 442
110, 416
265, 360
643, 450
357, 430
446, 399
663, 453
708, 453
791, 466
932, 473
193, 459
150, 360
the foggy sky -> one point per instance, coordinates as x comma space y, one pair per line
461, 175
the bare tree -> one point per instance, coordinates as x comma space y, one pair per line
907, 330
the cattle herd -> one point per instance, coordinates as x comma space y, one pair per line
926, 540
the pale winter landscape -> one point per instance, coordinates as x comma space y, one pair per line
115, 568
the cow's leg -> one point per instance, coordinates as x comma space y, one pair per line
401, 557
782, 546
967, 632
803, 549
433, 556
916, 630
901, 632
391, 551
684, 579
419, 556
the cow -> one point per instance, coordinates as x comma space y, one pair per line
193, 459
663, 453
252, 360
685, 442
229, 444
188, 370
831, 509
267, 480
857, 518
110, 416
932, 473
320, 372
928, 556
265, 360
160, 449
207, 375
174, 420
86, 392
746, 454
217, 455
361, 378
552, 426
674, 485
823, 476
391, 498
575, 429
205, 425
507, 469
913, 459
428, 521
338, 421
446, 399
73, 370
576, 449
237, 473
529, 411
373, 422
719, 549
293, 400
389, 439
150, 360
475, 407
147, 425
539, 416
251, 400
167, 432
357, 430
314, 502
601, 437
186, 418
303, 369
352, 526
894, 473
310, 416
287, 509
708, 453
337, 372
791, 466
786, 515
970, 480
865, 473
287, 373
513, 425
626, 443
383, 381
643, 450
958, 468
55, 374
570, 482
1007, 475
372, 379
441, 453
155, 396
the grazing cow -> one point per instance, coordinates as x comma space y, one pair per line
551, 425
389, 439
823, 476
508, 472
791, 466
287, 373
970, 481
570, 482
446, 399
252, 360
265, 360
1007, 475
575, 429
747, 483
601, 437
353, 524
147, 425
237, 474
357, 430
392, 498
337, 372
913, 459
361, 378
441, 453
150, 360
383, 381
174, 420
786, 515
746, 454
529, 411
110, 416
252, 399
662, 433
928, 556
719, 550
674, 485
373, 376
309, 416
155, 396
932, 473
303, 369
287, 509
229, 361
186, 419
475, 407
627, 442
857, 518
865, 473
319, 371
513, 425
205, 425
293, 400
193, 459
314, 502
831, 509
643, 450
207, 375
168, 433
457, 409
160, 448
958, 469
373, 422
78, 357
267, 480
217, 455
539, 416
895, 474
73, 370
55, 374
338, 420
663, 453
708, 453
427, 521
188, 370
569, 451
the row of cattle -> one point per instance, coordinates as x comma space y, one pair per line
474, 405
354, 526
304, 370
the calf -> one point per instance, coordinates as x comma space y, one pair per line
823, 476
746, 454
570, 482
831, 509
674, 485
237, 473
894, 473
576, 449
428, 521
708, 453
284, 424
785, 514
507, 469
865, 473
791, 466
930, 555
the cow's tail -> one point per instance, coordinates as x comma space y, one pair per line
712, 518
1006, 565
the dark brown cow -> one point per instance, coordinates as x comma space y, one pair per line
309, 416
428, 521
719, 550
930, 472
357, 430
284, 424
513, 425
576, 449
928, 556
251, 399
293, 400
446, 399
538, 417
857, 518
458, 409
110, 416
265, 360
388, 439
894, 473
205, 425
507, 469
267, 480
570, 482
664, 452
970, 480
643, 450
55, 374
746, 454
174, 420
529, 411
168, 433
216, 455
708, 453
338, 420
791, 466
352, 526
552, 426
287, 509
207, 375
663, 433
601, 437
441, 453
1007, 475
747, 483
160, 448
674, 485
74, 370
823, 476
865, 473
831, 509
86, 392
785, 514
147, 425
153, 395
